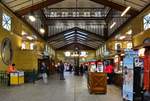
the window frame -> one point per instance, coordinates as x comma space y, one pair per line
4, 26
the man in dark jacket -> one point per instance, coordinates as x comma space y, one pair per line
61, 68
43, 71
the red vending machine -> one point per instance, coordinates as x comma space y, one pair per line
100, 67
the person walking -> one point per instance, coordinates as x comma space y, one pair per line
70, 68
43, 71
61, 69
81, 69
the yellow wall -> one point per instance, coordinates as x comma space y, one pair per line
14, 39
24, 59
139, 38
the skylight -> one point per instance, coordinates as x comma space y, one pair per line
69, 36
69, 33
81, 36
82, 33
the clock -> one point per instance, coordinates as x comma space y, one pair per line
6, 51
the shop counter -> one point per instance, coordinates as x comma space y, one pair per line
17, 78
97, 82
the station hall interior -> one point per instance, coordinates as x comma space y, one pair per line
75, 50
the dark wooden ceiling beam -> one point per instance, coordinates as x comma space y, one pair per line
77, 18
115, 6
109, 15
37, 6
42, 16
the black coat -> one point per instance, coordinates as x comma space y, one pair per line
61, 68
43, 69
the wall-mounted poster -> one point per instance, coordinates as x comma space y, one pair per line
128, 75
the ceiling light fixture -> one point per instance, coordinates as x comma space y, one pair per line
122, 37
125, 11
29, 37
31, 16
129, 32
113, 24
42, 30
24, 33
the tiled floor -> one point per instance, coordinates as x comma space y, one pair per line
74, 88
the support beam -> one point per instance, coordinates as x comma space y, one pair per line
106, 31
109, 15
43, 20
37, 6
42, 16
115, 6
77, 18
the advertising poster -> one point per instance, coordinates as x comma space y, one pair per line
128, 76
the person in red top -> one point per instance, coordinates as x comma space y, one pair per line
11, 68
109, 71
